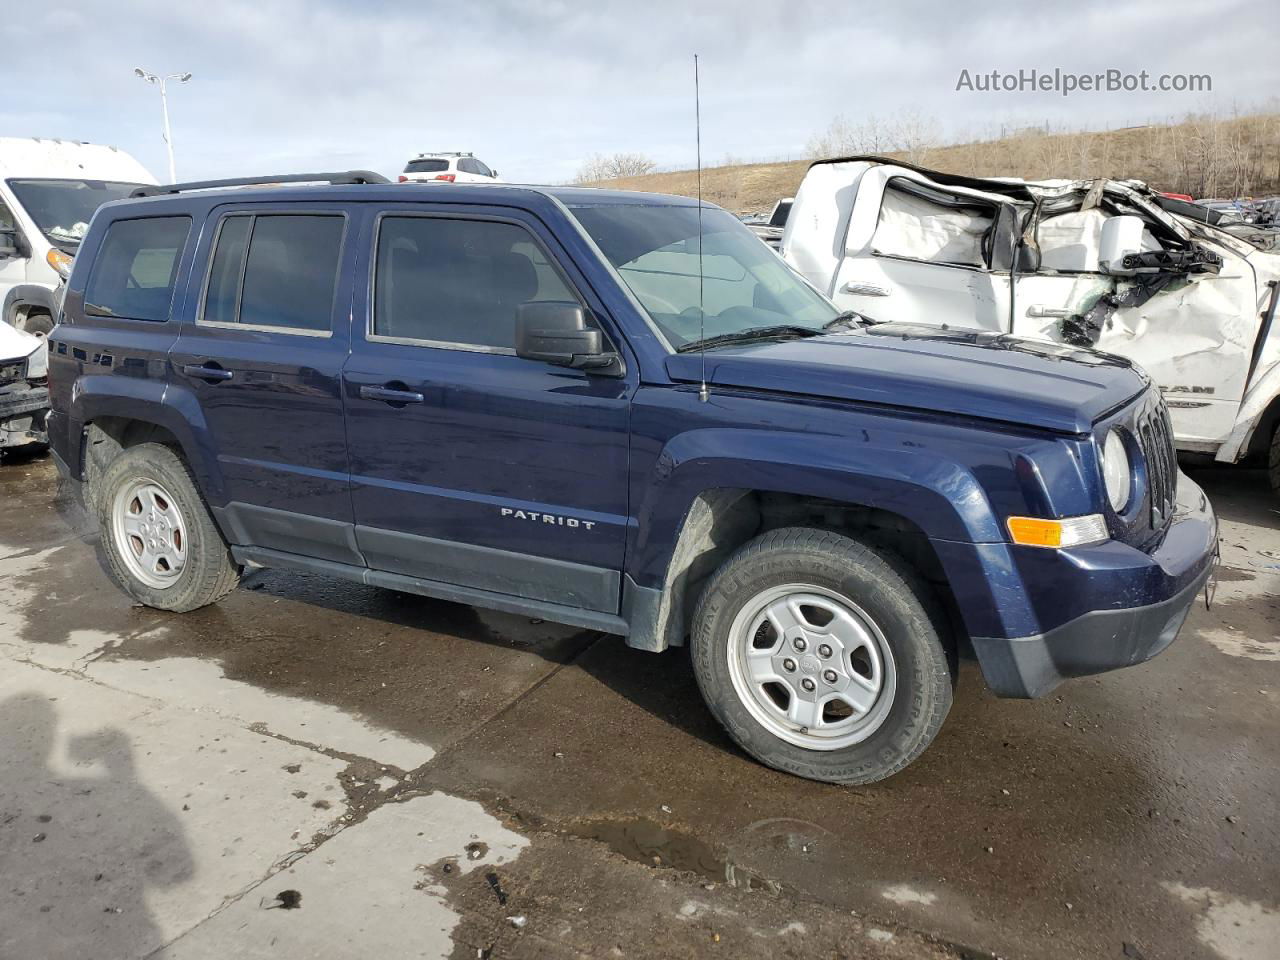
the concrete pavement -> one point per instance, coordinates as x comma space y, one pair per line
432, 780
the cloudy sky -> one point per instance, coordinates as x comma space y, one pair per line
533, 87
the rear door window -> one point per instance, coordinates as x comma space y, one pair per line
275, 271
919, 223
135, 269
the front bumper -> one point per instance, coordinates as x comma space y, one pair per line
1113, 634
23, 409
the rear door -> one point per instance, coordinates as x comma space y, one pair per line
261, 354
470, 465
915, 252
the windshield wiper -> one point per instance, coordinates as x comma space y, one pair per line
851, 318
779, 332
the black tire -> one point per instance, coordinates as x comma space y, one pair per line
37, 323
209, 573
1273, 462
881, 584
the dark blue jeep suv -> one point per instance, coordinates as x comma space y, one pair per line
619, 411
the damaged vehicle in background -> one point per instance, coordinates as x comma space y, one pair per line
1107, 264
49, 191
770, 228
24, 392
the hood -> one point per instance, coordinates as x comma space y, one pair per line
970, 373
14, 344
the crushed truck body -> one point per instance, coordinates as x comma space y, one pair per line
24, 394
1108, 264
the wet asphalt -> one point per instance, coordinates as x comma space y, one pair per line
1135, 814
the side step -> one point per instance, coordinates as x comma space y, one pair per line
555, 612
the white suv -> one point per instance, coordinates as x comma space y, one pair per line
447, 168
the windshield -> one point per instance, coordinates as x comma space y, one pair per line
62, 209
745, 286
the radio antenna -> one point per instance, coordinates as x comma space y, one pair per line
703, 394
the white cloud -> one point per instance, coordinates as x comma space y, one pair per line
534, 87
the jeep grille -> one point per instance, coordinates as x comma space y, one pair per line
1155, 435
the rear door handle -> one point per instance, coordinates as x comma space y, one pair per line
390, 395
201, 372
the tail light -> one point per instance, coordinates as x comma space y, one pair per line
402, 178
446, 177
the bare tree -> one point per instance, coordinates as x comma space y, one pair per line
910, 133
613, 167
914, 135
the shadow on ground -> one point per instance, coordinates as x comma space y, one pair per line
79, 831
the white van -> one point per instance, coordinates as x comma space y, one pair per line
49, 190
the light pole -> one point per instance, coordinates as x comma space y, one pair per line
164, 105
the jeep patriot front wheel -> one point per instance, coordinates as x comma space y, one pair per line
822, 657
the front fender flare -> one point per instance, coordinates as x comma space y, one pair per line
28, 295
941, 497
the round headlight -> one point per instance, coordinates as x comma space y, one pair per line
1116, 472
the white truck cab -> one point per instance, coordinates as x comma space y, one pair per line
49, 190
1103, 263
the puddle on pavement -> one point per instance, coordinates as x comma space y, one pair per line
654, 845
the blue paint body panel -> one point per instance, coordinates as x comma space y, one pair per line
559, 486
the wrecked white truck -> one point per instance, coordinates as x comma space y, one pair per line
1103, 263
24, 392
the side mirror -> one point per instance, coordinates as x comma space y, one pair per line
493, 173
8, 242
556, 332
1121, 237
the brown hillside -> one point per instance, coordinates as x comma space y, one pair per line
1204, 157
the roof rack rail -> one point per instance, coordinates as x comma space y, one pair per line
343, 177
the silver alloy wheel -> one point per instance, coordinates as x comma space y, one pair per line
150, 532
811, 666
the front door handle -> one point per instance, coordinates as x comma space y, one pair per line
1041, 310
202, 372
390, 395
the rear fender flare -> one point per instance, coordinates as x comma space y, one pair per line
165, 405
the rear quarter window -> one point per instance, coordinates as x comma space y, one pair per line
136, 267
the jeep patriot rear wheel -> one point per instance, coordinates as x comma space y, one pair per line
822, 657
161, 544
